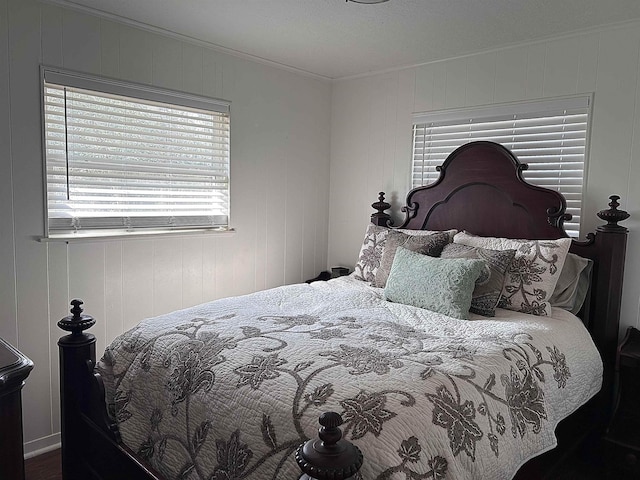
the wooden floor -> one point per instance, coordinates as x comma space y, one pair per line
44, 467
47, 467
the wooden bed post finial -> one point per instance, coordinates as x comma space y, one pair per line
329, 457
76, 323
380, 218
612, 216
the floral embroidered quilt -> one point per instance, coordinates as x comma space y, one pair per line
229, 389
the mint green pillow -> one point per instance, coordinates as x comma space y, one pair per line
438, 284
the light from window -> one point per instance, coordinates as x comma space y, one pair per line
127, 157
549, 135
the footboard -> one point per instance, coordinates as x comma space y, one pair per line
91, 444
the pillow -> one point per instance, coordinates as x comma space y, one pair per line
408, 231
573, 284
441, 285
486, 293
533, 273
372, 246
582, 289
425, 244
371, 253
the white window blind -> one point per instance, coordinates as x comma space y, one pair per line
550, 136
128, 157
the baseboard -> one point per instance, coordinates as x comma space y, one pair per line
41, 445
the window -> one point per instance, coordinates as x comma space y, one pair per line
549, 135
127, 157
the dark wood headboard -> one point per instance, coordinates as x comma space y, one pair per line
481, 190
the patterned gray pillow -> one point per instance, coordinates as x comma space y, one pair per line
425, 244
486, 293
371, 253
373, 244
533, 273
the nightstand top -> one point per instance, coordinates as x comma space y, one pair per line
14, 366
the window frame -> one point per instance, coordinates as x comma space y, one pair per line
488, 113
144, 93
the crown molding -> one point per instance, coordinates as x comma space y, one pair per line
185, 38
550, 38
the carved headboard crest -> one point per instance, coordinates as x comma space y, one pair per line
481, 189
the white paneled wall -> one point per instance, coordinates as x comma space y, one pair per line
8, 323
285, 127
371, 127
280, 147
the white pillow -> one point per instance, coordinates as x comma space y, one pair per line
534, 271
573, 284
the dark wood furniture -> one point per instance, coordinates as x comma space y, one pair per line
329, 457
322, 277
14, 369
91, 444
328, 275
481, 190
623, 435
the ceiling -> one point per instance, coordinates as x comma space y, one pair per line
337, 39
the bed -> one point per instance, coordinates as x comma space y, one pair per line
422, 394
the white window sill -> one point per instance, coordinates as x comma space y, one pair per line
106, 236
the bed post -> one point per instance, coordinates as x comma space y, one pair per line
77, 358
380, 218
611, 242
91, 444
330, 457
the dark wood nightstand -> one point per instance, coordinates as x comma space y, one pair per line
622, 439
14, 369
328, 275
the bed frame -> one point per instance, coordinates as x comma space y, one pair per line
481, 190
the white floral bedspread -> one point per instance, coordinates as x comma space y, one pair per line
229, 389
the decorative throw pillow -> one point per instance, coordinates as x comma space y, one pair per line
486, 293
451, 233
371, 253
425, 244
372, 247
441, 285
533, 273
573, 284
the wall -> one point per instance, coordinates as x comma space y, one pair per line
279, 191
371, 127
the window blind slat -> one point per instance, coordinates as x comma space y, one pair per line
115, 161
